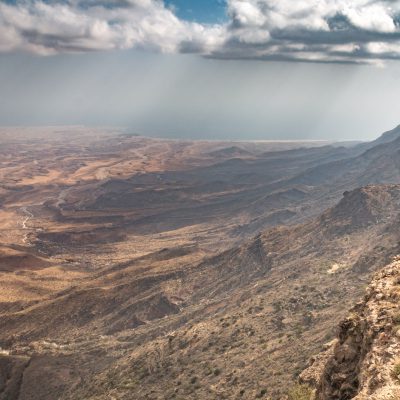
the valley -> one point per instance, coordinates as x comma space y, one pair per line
141, 268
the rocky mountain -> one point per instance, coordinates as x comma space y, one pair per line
386, 137
363, 362
377, 164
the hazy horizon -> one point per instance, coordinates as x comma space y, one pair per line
236, 69
182, 96
124, 130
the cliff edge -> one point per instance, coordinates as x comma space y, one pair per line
364, 361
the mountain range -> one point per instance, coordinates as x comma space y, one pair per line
209, 271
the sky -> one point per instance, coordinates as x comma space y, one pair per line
209, 69
202, 11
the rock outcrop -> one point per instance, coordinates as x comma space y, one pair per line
364, 361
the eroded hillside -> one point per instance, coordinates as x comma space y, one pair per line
142, 269
236, 324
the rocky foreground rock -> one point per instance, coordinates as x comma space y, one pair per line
364, 361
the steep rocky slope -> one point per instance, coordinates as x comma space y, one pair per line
363, 363
377, 162
386, 137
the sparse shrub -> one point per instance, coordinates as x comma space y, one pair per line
396, 318
277, 306
301, 392
128, 383
396, 372
308, 318
217, 371
262, 393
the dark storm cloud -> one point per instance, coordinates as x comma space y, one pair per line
336, 31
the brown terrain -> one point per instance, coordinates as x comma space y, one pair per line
363, 362
139, 268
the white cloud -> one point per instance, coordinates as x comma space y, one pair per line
246, 13
297, 30
83, 26
371, 17
312, 30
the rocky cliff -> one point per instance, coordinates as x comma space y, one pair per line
364, 361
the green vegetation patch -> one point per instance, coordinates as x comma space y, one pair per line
301, 392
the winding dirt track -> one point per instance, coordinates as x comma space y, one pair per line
28, 216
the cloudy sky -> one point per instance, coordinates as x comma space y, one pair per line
240, 69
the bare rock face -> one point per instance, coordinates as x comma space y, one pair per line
364, 362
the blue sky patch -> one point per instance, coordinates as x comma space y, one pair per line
203, 11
